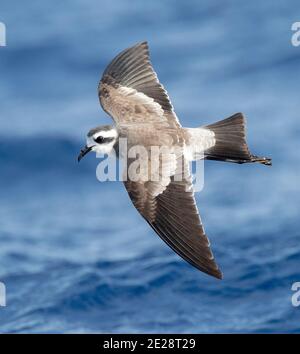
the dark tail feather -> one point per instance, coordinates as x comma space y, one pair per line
231, 145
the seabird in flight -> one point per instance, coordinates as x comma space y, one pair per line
131, 94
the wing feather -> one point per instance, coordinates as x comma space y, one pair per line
174, 216
132, 69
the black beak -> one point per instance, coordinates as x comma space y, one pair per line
83, 152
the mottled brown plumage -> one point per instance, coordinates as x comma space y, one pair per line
131, 94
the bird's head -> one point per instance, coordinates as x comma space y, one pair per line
100, 139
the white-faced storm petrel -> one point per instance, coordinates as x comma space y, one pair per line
131, 94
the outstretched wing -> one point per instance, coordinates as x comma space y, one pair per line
174, 216
130, 92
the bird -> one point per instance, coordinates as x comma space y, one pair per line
130, 92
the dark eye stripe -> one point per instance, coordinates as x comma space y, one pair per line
102, 140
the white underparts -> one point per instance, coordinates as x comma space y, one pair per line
104, 148
200, 139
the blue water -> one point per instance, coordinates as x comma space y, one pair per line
74, 254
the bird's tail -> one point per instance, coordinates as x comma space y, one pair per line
231, 145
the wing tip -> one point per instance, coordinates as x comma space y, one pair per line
142, 44
218, 275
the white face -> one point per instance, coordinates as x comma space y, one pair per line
102, 141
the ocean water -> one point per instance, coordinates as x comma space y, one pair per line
75, 256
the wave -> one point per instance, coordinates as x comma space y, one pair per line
43, 153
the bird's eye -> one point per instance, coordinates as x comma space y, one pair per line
99, 139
